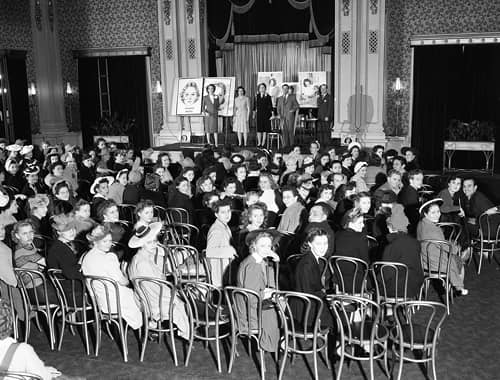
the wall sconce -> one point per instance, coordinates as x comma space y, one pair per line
69, 95
32, 89
158, 90
398, 87
69, 90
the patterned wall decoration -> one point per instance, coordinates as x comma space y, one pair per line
108, 24
15, 33
406, 18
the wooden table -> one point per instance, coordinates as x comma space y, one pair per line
487, 147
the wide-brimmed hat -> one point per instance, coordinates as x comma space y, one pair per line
359, 165
57, 183
31, 170
5, 320
304, 178
14, 148
438, 201
100, 180
237, 159
4, 197
120, 173
143, 234
353, 144
63, 222
26, 149
98, 233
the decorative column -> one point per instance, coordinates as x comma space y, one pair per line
183, 54
359, 69
50, 87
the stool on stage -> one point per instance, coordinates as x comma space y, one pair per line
275, 134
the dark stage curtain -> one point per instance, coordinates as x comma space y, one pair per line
453, 82
89, 97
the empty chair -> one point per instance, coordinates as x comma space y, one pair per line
487, 244
186, 262
417, 329
127, 213
362, 335
350, 274
181, 233
178, 215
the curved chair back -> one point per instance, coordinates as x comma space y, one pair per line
42, 243
152, 292
205, 301
435, 258
391, 281
161, 213
178, 215
10, 375
185, 261
127, 213
349, 274
181, 234
108, 305
245, 307
452, 231
489, 227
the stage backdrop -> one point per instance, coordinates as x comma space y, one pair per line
246, 60
309, 83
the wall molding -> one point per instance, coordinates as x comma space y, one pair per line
455, 39
109, 52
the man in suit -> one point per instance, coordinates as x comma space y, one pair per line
325, 115
287, 105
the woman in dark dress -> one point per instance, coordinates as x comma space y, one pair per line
180, 196
211, 108
263, 109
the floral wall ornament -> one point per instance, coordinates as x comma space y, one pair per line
166, 11
38, 15
190, 11
346, 7
374, 7
50, 6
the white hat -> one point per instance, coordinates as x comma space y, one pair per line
352, 144
13, 147
145, 233
359, 165
26, 149
98, 181
435, 200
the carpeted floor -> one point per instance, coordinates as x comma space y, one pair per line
468, 349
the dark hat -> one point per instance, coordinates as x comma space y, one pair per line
31, 170
3, 140
388, 196
304, 178
253, 165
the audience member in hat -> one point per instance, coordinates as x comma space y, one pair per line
359, 176
19, 357
410, 198
8, 208
56, 174
100, 191
405, 249
118, 186
375, 173
347, 162
219, 250
101, 261
255, 274
144, 264
432, 257
33, 186
27, 256
13, 178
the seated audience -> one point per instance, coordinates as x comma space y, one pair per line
410, 198
118, 186
295, 213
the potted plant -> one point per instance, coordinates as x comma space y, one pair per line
114, 129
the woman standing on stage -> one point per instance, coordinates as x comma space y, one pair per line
211, 109
263, 108
241, 115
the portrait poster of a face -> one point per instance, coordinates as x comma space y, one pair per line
273, 81
189, 96
224, 90
309, 82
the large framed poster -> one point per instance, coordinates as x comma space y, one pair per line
224, 89
189, 96
273, 81
309, 82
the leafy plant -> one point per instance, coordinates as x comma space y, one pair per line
474, 131
114, 125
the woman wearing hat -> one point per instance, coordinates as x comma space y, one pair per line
13, 177
428, 230
8, 208
143, 265
33, 185
56, 173
62, 201
359, 176
100, 190
118, 186
100, 261
62, 253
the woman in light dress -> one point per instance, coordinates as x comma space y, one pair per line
241, 115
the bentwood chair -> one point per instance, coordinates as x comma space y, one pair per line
186, 262
178, 215
42, 243
10, 375
452, 231
9, 296
159, 315
391, 283
303, 334
107, 309
488, 242
435, 258
350, 274
127, 213
211, 322
241, 326
29, 280
362, 334
181, 234
417, 329
75, 305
